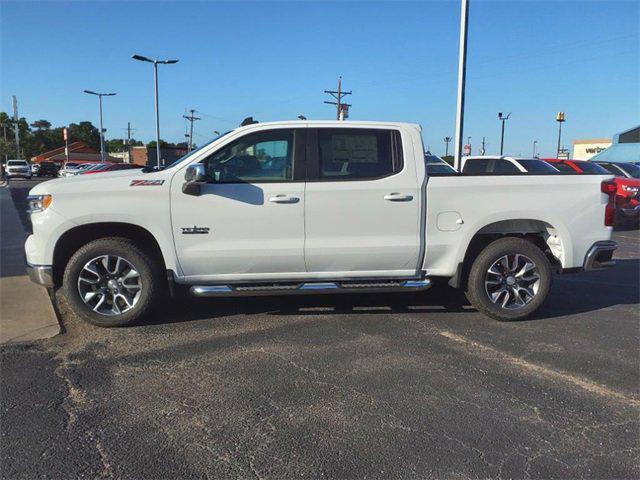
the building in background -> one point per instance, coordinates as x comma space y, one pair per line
625, 148
585, 149
78, 152
141, 156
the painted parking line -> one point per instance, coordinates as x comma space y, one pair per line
540, 370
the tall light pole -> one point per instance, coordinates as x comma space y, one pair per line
462, 73
100, 95
535, 142
155, 79
503, 119
446, 146
560, 120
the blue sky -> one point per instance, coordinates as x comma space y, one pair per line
273, 61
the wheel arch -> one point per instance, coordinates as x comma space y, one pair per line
71, 240
539, 232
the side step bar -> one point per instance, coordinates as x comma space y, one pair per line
309, 287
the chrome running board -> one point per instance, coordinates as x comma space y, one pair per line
310, 287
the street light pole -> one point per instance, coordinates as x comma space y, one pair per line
100, 95
462, 73
503, 119
157, 103
535, 142
560, 120
446, 148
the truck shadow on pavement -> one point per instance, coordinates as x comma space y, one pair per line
570, 295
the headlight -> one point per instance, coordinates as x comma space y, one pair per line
38, 203
629, 188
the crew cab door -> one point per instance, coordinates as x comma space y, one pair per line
248, 221
362, 215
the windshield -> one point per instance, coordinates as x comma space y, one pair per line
432, 159
439, 167
188, 155
588, 167
537, 166
70, 165
16, 163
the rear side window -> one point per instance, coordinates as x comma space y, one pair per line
358, 154
480, 165
588, 167
505, 166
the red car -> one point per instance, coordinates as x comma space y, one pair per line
110, 167
628, 186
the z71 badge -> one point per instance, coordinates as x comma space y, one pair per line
195, 230
145, 183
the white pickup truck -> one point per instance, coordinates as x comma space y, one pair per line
313, 207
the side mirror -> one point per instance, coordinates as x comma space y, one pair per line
195, 176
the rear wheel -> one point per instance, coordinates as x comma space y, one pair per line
509, 279
111, 282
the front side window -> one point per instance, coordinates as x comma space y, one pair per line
258, 157
563, 167
358, 154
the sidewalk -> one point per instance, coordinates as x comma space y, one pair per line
26, 313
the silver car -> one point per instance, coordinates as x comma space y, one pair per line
18, 169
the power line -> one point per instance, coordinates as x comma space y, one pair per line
342, 109
191, 118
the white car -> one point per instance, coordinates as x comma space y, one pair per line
313, 207
72, 169
18, 169
506, 165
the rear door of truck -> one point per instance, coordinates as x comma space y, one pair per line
362, 210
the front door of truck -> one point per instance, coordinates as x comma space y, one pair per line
362, 215
248, 221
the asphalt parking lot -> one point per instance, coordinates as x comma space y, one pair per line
384, 386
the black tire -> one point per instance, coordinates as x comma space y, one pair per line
150, 274
477, 293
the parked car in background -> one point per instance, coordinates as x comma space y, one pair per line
576, 166
628, 193
627, 187
437, 166
18, 169
71, 169
35, 168
48, 169
506, 165
110, 167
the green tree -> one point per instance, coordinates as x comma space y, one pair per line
85, 132
163, 144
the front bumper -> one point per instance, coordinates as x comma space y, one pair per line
600, 255
41, 274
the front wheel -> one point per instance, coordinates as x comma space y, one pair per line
111, 282
509, 279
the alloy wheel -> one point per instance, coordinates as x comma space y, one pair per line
512, 281
109, 285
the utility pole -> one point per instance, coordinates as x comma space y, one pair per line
462, 73
483, 150
16, 127
560, 120
535, 142
503, 119
4, 131
129, 130
338, 95
446, 146
191, 119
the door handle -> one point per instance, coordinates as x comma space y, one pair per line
398, 197
284, 199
